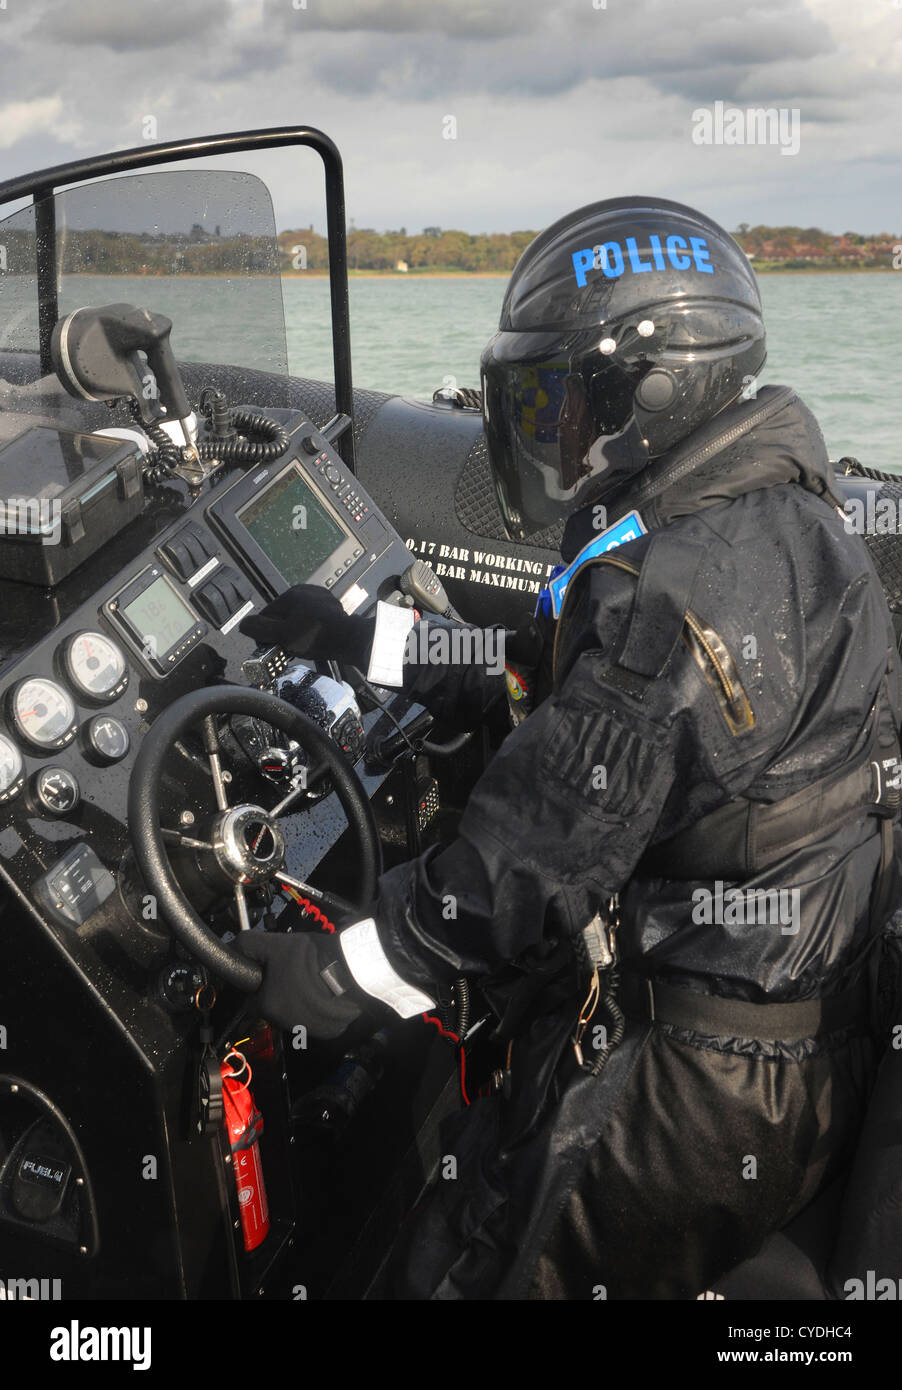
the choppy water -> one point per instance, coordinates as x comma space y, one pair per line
836, 338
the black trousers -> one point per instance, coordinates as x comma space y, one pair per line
648, 1182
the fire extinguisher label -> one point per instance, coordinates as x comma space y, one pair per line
244, 1125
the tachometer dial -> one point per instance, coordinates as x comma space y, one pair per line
95, 665
11, 770
42, 713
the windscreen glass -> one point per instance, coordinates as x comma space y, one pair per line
196, 245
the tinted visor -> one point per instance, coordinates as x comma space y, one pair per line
559, 424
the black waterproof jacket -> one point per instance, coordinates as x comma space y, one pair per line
606, 767
647, 723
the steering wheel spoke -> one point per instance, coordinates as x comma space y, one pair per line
176, 837
241, 901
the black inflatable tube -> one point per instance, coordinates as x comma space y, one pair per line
143, 815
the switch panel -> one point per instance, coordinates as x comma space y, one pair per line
224, 597
188, 554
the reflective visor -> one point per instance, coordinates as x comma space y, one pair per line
557, 419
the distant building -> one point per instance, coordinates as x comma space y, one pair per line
401, 266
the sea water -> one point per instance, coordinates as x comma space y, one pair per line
836, 338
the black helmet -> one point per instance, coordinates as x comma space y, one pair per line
625, 326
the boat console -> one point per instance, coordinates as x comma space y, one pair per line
103, 1135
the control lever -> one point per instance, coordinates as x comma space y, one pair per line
95, 355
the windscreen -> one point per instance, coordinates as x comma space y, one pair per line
196, 245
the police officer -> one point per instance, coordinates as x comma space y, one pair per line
687, 842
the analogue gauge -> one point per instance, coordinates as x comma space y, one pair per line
11, 771
95, 666
55, 791
42, 713
106, 739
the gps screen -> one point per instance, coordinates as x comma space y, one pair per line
293, 529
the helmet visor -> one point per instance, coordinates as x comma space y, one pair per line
559, 424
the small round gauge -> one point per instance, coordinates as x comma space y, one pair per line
56, 790
95, 666
11, 772
42, 713
105, 739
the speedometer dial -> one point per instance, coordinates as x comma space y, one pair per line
11, 770
95, 666
42, 713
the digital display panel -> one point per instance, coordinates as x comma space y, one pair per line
160, 617
293, 529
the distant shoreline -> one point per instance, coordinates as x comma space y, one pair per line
438, 274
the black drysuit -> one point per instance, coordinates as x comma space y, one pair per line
672, 1165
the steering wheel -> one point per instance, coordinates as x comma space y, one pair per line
245, 846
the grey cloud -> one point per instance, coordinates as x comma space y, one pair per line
123, 27
556, 48
458, 18
553, 99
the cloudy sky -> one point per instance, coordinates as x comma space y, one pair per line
555, 103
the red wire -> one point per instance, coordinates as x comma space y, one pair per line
311, 910
446, 1033
463, 1076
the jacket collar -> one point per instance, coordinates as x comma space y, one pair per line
771, 440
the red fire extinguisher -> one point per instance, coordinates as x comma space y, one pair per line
244, 1125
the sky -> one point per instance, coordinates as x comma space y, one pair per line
487, 115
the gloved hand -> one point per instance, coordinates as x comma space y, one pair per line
294, 990
309, 621
523, 644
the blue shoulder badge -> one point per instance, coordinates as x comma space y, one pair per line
628, 528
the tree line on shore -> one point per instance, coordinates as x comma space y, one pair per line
436, 249
204, 252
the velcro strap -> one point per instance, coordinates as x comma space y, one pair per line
717, 1016
667, 580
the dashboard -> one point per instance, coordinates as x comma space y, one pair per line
162, 618
101, 1064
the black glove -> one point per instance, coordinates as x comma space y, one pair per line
293, 990
523, 644
309, 621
